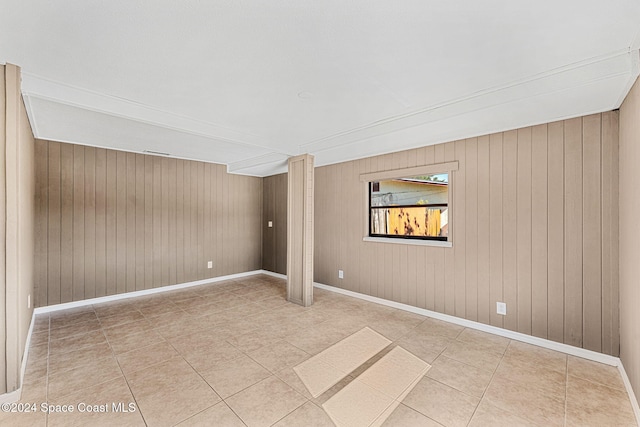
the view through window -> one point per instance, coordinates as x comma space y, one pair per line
412, 207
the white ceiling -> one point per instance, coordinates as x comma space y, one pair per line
248, 83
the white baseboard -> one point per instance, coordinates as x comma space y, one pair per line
134, 294
632, 395
540, 342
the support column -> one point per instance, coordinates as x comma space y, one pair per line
300, 230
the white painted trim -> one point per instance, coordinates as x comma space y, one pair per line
14, 396
144, 292
630, 392
415, 242
273, 274
541, 342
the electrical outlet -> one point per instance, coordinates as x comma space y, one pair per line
29, 301
340, 274
501, 308
270, 224
210, 264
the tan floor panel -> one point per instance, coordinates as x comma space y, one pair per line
326, 369
371, 398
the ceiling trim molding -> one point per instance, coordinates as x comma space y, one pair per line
265, 159
635, 72
49, 90
482, 98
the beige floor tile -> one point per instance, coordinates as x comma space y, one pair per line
232, 376
126, 343
34, 390
66, 382
441, 403
199, 340
307, 415
253, 340
358, 404
41, 323
146, 356
465, 378
38, 353
68, 317
535, 355
489, 415
24, 419
170, 392
209, 358
40, 338
595, 372
318, 377
532, 403
279, 355
99, 405
114, 307
473, 354
404, 416
591, 404
516, 370
132, 328
59, 362
75, 329
438, 327
218, 415
315, 339
265, 402
490, 341
120, 319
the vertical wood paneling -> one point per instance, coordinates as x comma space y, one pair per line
90, 222
524, 230
471, 227
450, 253
41, 220
131, 223
591, 232
139, 222
573, 232
510, 228
66, 223
121, 222
539, 226
460, 229
484, 232
54, 258
111, 222
101, 224
555, 232
495, 226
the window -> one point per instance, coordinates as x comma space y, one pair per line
414, 207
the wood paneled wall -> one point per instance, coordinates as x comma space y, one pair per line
110, 222
630, 236
16, 227
535, 225
274, 239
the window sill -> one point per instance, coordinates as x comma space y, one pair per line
436, 243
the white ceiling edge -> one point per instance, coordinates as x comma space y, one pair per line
582, 92
38, 87
592, 86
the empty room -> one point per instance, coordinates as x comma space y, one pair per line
362, 213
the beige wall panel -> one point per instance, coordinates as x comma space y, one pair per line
42, 218
629, 245
485, 307
54, 224
66, 223
450, 253
134, 220
460, 229
101, 237
3, 213
591, 232
90, 222
121, 222
555, 234
539, 226
131, 223
524, 230
495, 226
573, 215
510, 228
78, 223
471, 228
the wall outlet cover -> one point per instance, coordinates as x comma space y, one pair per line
340, 274
210, 264
501, 308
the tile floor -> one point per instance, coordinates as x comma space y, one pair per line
223, 354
